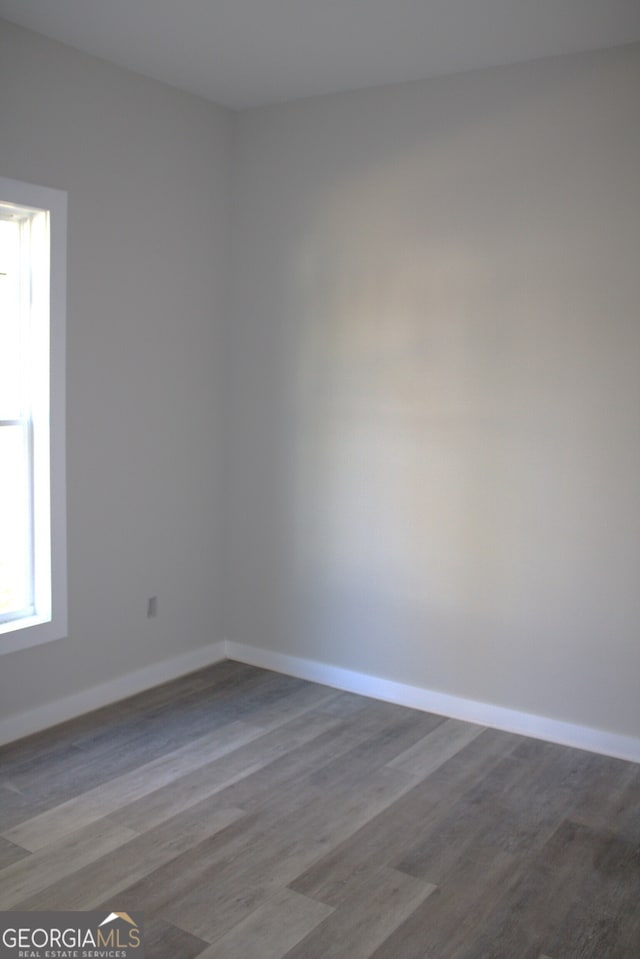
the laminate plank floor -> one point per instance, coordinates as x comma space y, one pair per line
249, 814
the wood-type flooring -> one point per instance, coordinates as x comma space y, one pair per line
249, 815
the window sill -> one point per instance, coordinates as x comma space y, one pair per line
29, 631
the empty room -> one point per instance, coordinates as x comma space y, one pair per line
319, 479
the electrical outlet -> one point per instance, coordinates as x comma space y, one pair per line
152, 607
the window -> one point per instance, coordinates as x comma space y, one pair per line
33, 601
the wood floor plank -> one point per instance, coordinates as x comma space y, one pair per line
612, 800
15, 807
237, 878
132, 735
192, 787
393, 730
47, 773
176, 726
61, 859
360, 744
295, 701
398, 830
368, 915
568, 900
112, 727
271, 930
344, 704
629, 934
383, 733
210, 902
38, 832
247, 813
159, 887
36, 750
456, 913
10, 853
331, 817
605, 869
164, 941
105, 877
440, 745
48, 781
516, 806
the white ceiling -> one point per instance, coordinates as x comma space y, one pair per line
243, 53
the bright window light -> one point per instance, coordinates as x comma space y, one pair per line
32, 498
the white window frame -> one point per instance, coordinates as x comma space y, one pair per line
50, 619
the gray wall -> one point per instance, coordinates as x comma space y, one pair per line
147, 170
410, 445
435, 430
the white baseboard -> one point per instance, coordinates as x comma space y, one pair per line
50, 714
416, 697
485, 714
